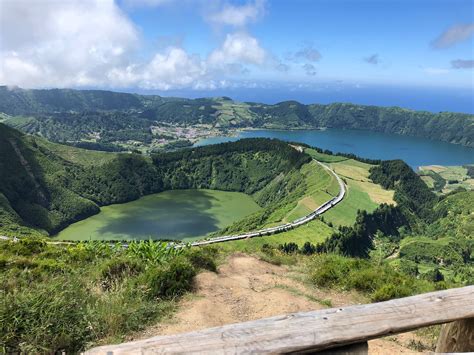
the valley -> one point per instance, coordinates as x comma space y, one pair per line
236, 177
88, 230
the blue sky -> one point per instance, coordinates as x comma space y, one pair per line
198, 47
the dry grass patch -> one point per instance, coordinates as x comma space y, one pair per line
357, 174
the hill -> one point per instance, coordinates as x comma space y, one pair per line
45, 187
105, 117
67, 296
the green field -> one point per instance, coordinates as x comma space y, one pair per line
75, 155
175, 214
324, 158
320, 186
314, 232
362, 194
445, 179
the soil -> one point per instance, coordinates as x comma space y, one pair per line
246, 288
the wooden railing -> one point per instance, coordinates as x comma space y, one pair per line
325, 329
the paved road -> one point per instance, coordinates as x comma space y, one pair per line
287, 226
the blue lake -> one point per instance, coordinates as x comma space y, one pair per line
413, 150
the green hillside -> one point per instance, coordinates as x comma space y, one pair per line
66, 297
45, 187
64, 115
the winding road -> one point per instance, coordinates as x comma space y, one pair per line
287, 226
266, 231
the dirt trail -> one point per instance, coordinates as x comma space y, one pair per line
246, 288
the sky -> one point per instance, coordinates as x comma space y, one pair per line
414, 53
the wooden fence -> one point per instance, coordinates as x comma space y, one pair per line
325, 329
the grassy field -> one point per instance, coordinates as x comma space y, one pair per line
75, 155
320, 187
314, 232
325, 158
453, 176
362, 194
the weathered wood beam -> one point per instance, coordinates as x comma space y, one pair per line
457, 337
312, 331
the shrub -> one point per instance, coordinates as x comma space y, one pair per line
329, 270
433, 275
49, 317
389, 291
203, 258
153, 252
169, 280
366, 280
114, 270
409, 267
289, 248
24, 247
379, 281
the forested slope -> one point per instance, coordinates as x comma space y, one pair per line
74, 115
41, 188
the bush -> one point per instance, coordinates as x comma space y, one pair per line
24, 247
379, 281
329, 270
203, 258
389, 291
48, 317
116, 269
170, 280
433, 275
365, 280
409, 267
289, 248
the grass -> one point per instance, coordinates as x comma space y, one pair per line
380, 282
325, 158
75, 155
455, 177
65, 298
297, 292
357, 175
314, 232
320, 187
344, 213
362, 194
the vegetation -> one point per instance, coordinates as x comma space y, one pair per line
65, 115
379, 281
446, 179
432, 235
46, 187
66, 297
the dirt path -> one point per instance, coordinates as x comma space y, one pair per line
246, 288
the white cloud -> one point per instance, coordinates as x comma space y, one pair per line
372, 59
309, 69
453, 35
462, 64
238, 47
308, 53
174, 68
238, 16
77, 43
146, 3
436, 71
62, 43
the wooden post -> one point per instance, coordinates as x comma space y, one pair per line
456, 337
325, 329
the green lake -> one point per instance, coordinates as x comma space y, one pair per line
177, 214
